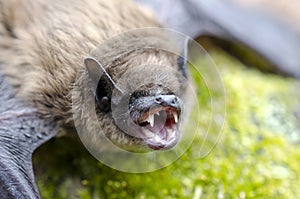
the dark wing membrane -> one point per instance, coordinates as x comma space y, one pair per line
21, 132
276, 42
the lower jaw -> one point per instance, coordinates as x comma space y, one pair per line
162, 146
159, 147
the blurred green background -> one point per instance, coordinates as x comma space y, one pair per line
258, 155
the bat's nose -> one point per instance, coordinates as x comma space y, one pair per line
168, 100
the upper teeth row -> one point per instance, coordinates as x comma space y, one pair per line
150, 118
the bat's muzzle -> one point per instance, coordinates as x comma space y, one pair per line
158, 118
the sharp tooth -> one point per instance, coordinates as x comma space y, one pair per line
170, 133
150, 119
175, 117
148, 133
157, 138
157, 113
173, 135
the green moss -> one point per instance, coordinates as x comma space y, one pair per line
258, 155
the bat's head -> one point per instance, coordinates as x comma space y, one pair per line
141, 93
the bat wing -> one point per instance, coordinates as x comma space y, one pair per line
21, 132
277, 43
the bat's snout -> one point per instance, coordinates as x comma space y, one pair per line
168, 100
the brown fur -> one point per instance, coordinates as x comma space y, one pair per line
43, 44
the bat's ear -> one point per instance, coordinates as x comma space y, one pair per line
183, 59
101, 83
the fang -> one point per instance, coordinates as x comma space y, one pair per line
150, 119
175, 117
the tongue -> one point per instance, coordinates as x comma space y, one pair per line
159, 122
163, 134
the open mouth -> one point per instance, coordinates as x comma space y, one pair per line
159, 127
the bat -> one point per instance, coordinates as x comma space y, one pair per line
44, 52
56, 63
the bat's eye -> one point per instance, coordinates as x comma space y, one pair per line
105, 101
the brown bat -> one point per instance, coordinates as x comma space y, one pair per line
50, 56
50, 53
